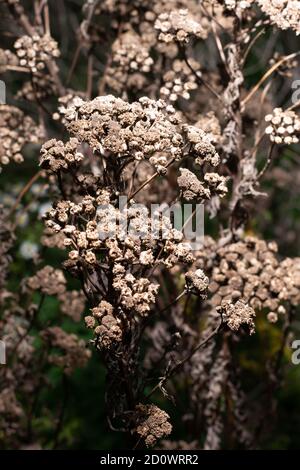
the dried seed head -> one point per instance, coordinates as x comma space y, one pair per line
197, 283
151, 423
179, 25
237, 314
283, 127
34, 51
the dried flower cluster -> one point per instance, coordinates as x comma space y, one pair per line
72, 304
7, 58
16, 130
75, 352
234, 4
34, 51
196, 190
249, 271
285, 14
38, 89
130, 61
56, 155
197, 282
284, 126
236, 315
179, 25
151, 423
139, 129
49, 281
178, 82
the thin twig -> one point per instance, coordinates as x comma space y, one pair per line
62, 411
294, 106
25, 190
256, 37
219, 46
47, 18
173, 302
267, 75
73, 64
200, 80
190, 218
257, 144
268, 162
177, 366
149, 180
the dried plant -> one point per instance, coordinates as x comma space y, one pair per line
168, 115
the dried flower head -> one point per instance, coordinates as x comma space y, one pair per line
202, 145
130, 60
16, 130
106, 326
237, 4
55, 155
151, 424
179, 25
72, 304
283, 13
284, 127
237, 314
272, 317
39, 88
49, 281
34, 51
7, 58
249, 270
140, 129
192, 189
197, 283
179, 81
75, 354
210, 124
136, 294
216, 184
